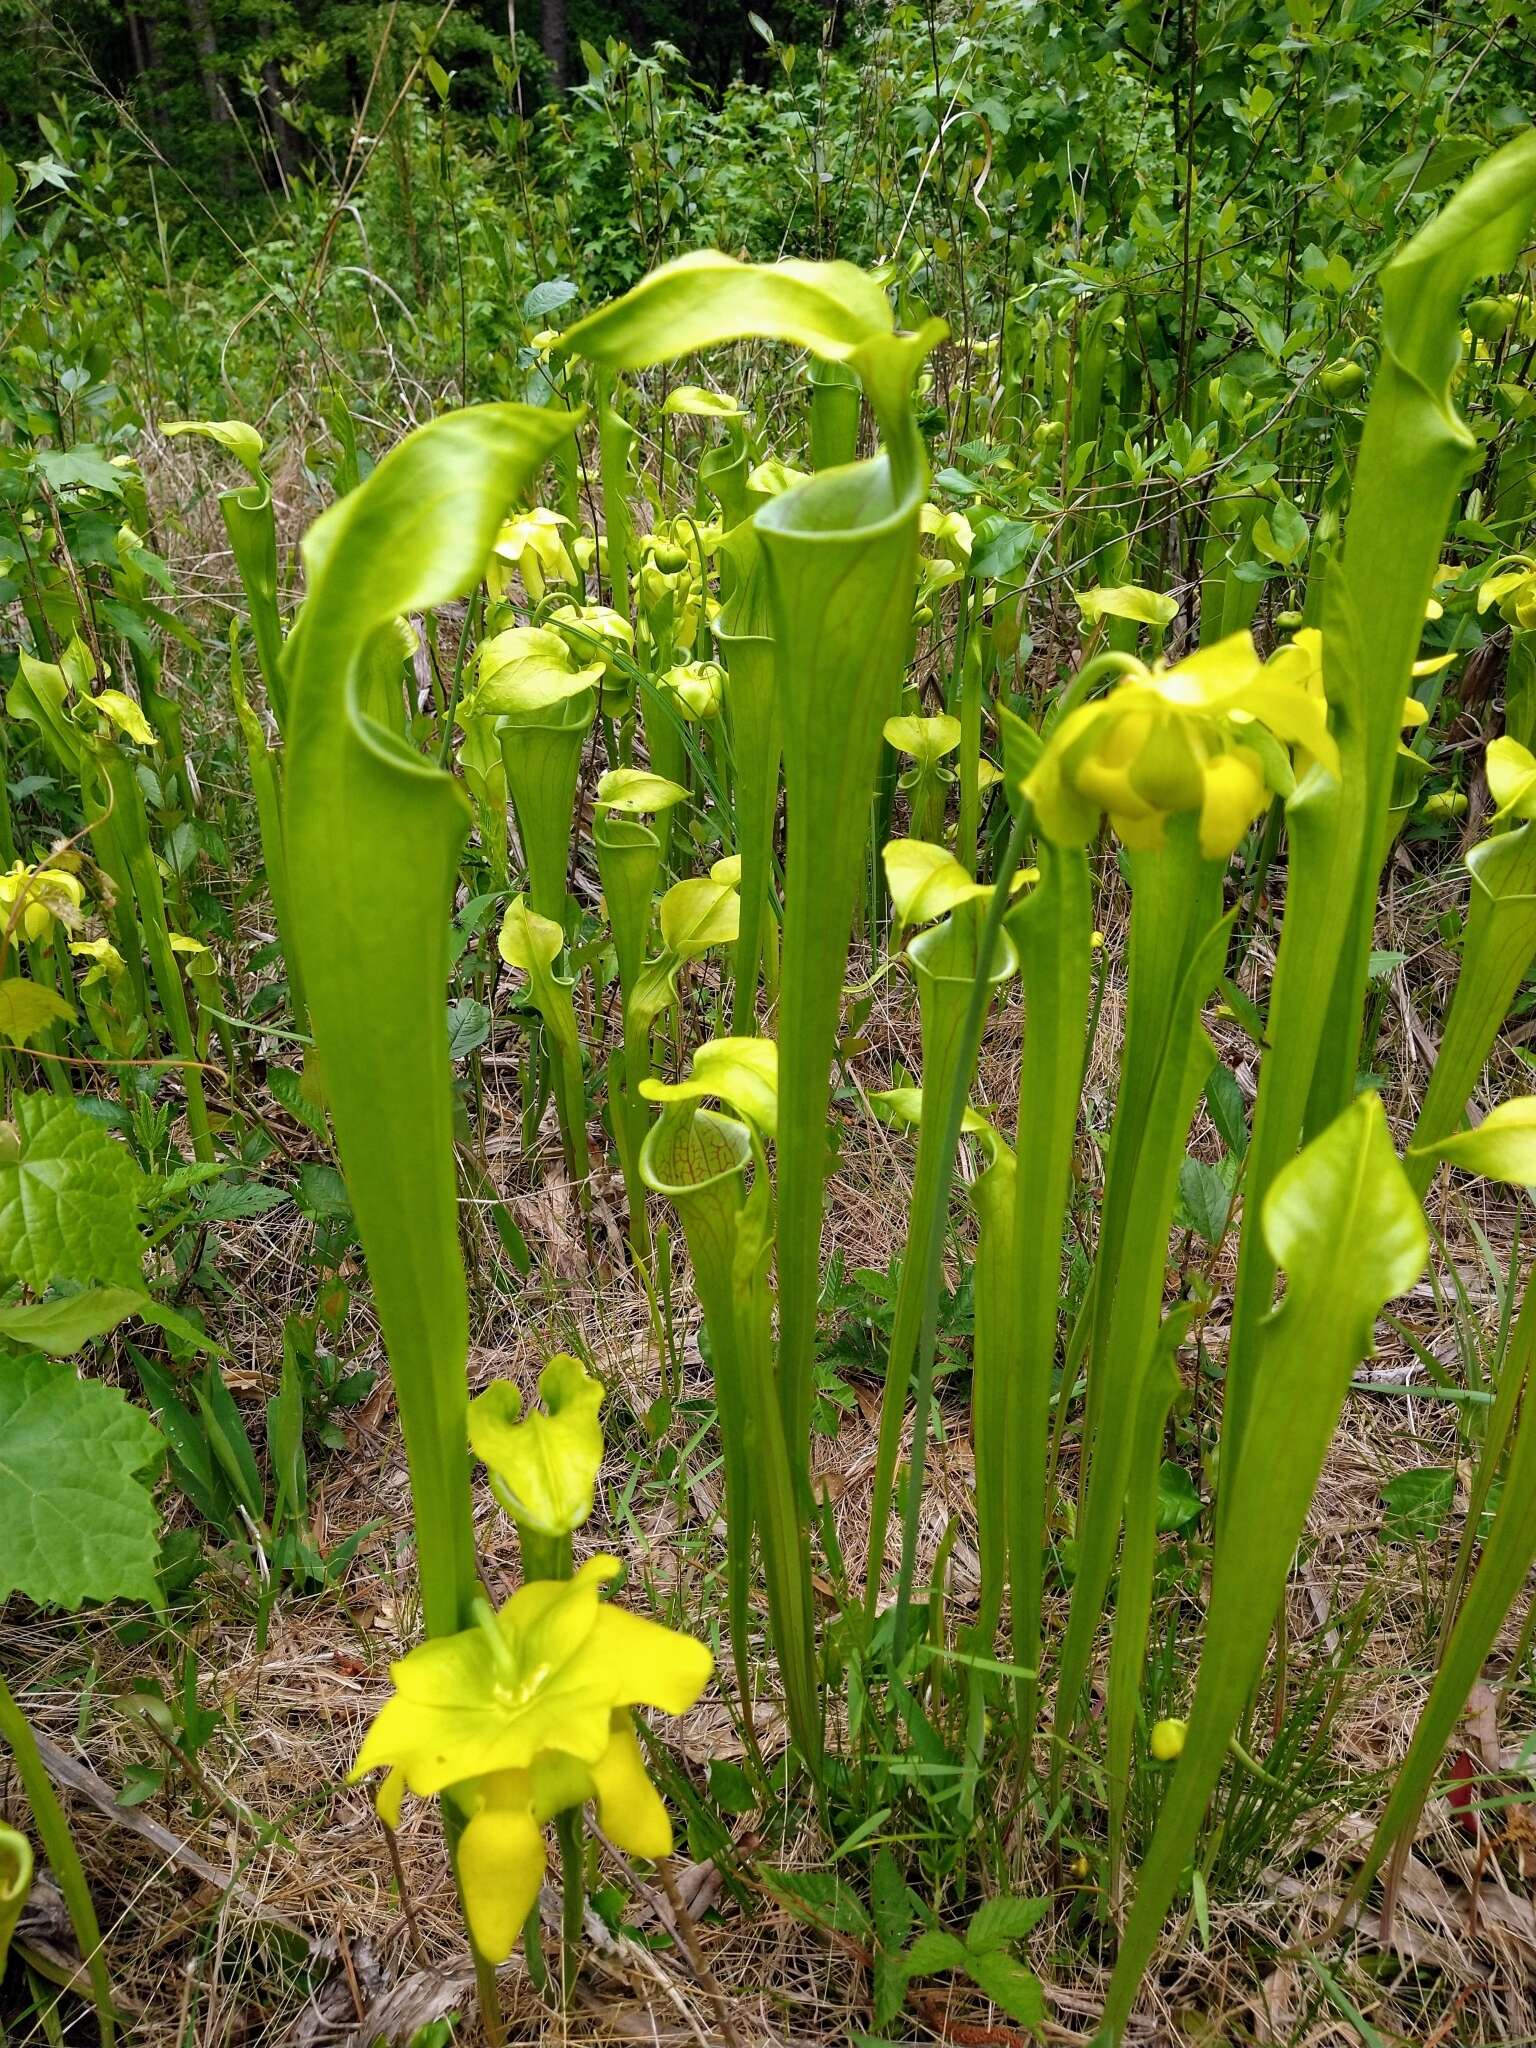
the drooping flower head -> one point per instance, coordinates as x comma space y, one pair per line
33, 900
524, 1716
1200, 737
543, 1464
533, 543
697, 688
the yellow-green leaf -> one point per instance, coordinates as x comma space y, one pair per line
698, 914
926, 881
1503, 1146
27, 1009
233, 436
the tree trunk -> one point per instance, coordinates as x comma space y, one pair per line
554, 40
282, 138
206, 44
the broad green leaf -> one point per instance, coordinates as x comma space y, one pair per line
1178, 1499
384, 828
936, 1950
77, 1520
543, 1467
82, 467
1205, 1199
69, 1197
27, 1008
235, 437
894, 1909
1002, 1920
822, 1897
1503, 1146
60, 1326
1008, 1984
548, 297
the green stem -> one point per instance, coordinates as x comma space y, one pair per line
933, 1274
570, 1833
63, 1857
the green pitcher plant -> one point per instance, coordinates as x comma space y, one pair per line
711, 1168
531, 945
541, 701
841, 554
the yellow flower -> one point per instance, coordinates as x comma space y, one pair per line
46, 896
1511, 584
596, 633
951, 532
533, 544
1167, 1740
523, 1716
107, 962
1195, 738
696, 687
543, 1465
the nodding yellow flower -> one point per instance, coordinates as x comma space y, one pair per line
951, 532
543, 1465
33, 900
524, 1716
1167, 1740
106, 961
1198, 737
1510, 583
696, 687
595, 632
534, 545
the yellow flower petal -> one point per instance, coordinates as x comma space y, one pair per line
1511, 772
501, 1863
629, 1808
390, 1796
544, 1466
1235, 792
651, 1666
